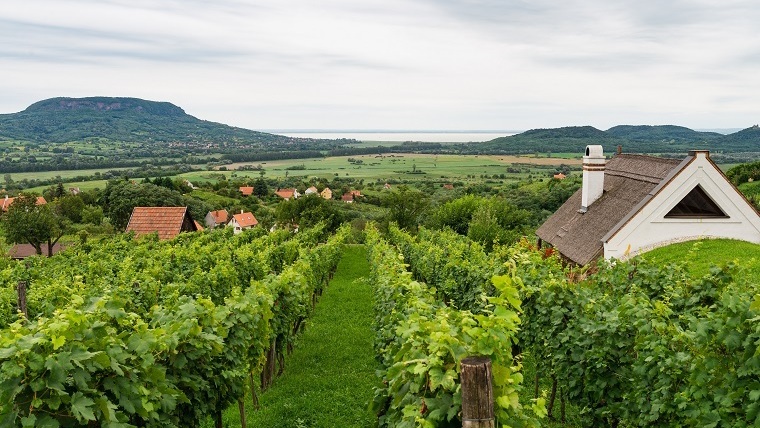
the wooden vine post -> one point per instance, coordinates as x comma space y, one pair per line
477, 393
21, 290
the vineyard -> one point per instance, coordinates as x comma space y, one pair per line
148, 333
127, 333
631, 344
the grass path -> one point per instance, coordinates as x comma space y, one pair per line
328, 379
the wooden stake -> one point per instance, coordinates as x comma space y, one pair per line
241, 407
477, 393
21, 290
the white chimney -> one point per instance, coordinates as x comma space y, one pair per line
593, 176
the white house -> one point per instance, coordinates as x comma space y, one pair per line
242, 221
631, 204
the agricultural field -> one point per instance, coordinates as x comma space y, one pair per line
403, 167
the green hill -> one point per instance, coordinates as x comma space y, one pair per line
571, 139
132, 120
661, 133
699, 256
746, 140
634, 139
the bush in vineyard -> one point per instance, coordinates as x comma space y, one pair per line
637, 344
421, 340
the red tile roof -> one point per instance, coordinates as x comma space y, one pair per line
245, 220
448, 186
220, 216
197, 225
560, 176
168, 222
246, 190
347, 197
6, 202
285, 193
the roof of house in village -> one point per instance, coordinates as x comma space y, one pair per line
448, 186
168, 222
22, 251
245, 219
220, 216
311, 190
198, 226
347, 197
285, 193
7, 201
629, 181
560, 176
246, 190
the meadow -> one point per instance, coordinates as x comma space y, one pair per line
397, 167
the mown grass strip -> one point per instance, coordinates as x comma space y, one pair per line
328, 379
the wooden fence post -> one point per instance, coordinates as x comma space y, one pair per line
477, 393
21, 290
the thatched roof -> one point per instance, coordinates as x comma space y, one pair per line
629, 181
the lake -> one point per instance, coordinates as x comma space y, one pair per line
399, 136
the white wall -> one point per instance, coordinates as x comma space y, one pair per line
650, 229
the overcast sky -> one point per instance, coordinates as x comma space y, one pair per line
395, 64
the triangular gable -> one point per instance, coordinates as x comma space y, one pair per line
696, 203
700, 187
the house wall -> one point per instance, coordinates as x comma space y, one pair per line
650, 229
210, 221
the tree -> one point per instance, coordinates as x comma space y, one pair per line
260, 187
122, 196
29, 223
406, 207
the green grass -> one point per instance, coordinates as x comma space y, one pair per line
328, 379
399, 167
699, 256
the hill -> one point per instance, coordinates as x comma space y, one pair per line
661, 133
664, 139
132, 120
746, 140
571, 139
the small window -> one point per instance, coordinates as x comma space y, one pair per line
697, 204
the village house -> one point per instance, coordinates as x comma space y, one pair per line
246, 190
311, 191
326, 193
242, 221
634, 203
287, 194
7, 201
559, 176
168, 222
218, 218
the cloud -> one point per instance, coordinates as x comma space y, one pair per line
390, 63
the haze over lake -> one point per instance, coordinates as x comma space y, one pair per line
399, 136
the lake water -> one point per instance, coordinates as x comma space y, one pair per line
400, 136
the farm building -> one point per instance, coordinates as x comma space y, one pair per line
634, 203
168, 222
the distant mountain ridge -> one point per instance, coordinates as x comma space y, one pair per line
122, 119
160, 126
663, 139
105, 104
661, 133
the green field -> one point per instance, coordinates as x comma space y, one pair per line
400, 167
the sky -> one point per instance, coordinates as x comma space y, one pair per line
395, 64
